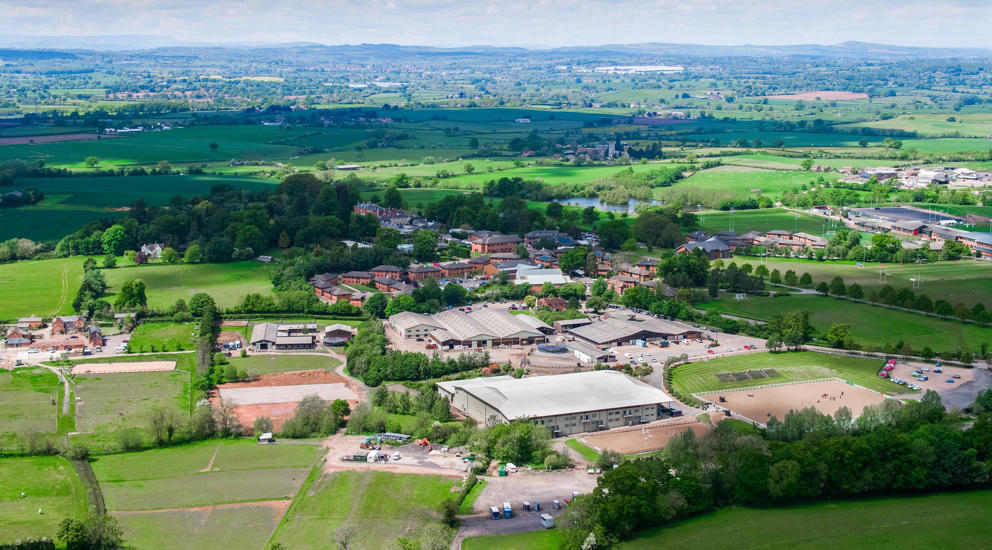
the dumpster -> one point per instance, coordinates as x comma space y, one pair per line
526, 506
507, 510
537, 506
502, 470
547, 521
494, 511
556, 504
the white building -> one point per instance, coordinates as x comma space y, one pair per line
566, 403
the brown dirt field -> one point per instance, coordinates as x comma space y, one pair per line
632, 441
763, 403
280, 505
278, 412
229, 336
226, 324
111, 368
291, 378
22, 140
824, 95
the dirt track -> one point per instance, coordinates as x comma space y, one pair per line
643, 439
826, 396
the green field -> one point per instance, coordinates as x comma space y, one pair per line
41, 288
711, 187
50, 484
381, 506
26, 396
151, 337
176, 477
965, 281
587, 452
946, 521
106, 192
227, 283
547, 539
107, 403
765, 219
973, 125
48, 221
269, 363
167, 498
792, 367
871, 325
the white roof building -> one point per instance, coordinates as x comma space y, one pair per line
536, 276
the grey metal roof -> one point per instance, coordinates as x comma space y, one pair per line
264, 332
543, 396
612, 329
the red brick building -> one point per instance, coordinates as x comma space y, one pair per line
68, 324
357, 278
554, 303
456, 269
423, 272
386, 271
496, 244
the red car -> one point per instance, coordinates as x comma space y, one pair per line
431, 346
709, 351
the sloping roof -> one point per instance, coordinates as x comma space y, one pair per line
424, 269
541, 396
908, 225
501, 239
408, 319
387, 268
709, 245
264, 332
358, 274
611, 329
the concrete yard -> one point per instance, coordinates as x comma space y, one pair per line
286, 394
533, 486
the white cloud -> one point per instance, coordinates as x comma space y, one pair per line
511, 22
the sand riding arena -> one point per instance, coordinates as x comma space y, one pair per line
276, 395
114, 368
643, 438
763, 402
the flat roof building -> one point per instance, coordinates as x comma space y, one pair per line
566, 403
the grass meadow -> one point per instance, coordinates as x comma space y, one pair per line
227, 283
48, 221
50, 484
547, 539
792, 366
151, 337
26, 396
200, 474
107, 403
871, 325
964, 281
711, 187
954, 520
203, 495
381, 506
42, 287
117, 191
268, 363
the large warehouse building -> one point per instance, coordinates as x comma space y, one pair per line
482, 328
613, 331
566, 403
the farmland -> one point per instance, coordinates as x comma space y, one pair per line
226, 283
43, 287
26, 402
48, 221
381, 506
933, 521
108, 192
107, 403
268, 363
965, 281
792, 367
50, 484
221, 485
871, 325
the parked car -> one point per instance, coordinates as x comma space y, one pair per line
710, 351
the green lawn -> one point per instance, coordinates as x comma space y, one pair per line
871, 325
206, 528
266, 364
765, 219
26, 396
946, 521
242, 471
107, 403
711, 187
965, 281
471, 497
40, 287
792, 367
587, 452
381, 506
547, 539
150, 337
227, 283
49, 484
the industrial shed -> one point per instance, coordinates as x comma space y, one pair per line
624, 332
567, 403
482, 328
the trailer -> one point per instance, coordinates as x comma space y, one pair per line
547, 521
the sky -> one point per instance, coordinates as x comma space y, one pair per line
534, 23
